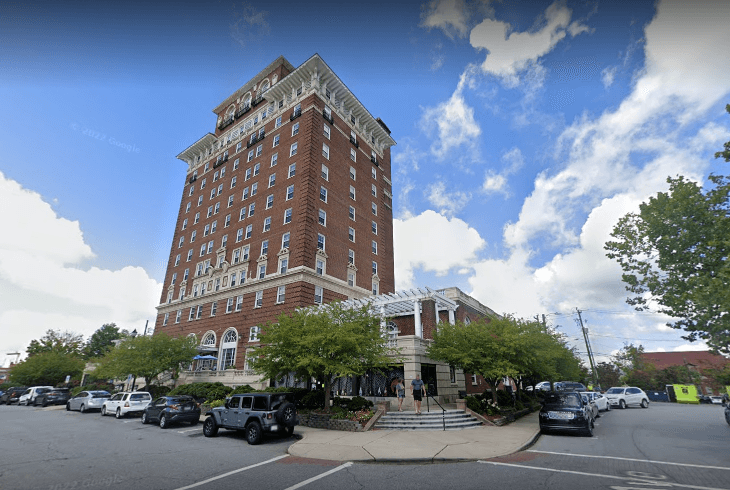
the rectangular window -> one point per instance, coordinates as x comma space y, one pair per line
295, 129
177, 316
290, 192
181, 242
352, 213
283, 264
267, 224
202, 184
233, 182
285, 240
200, 200
244, 253
374, 191
235, 164
239, 235
254, 188
293, 149
214, 226
253, 334
287, 216
197, 218
165, 318
242, 214
320, 241
251, 209
262, 271
249, 229
199, 313
187, 207
373, 171
230, 201
250, 156
352, 193
210, 211
353, 173
244, 196
375, 288
374, 207
350, 279
256, 169
259, 150
264, 247
277, 123
206, 230
327, 131
375, 247
186, 274
213, 308
210, 246
212, 193
236, 258
280, 294
259, 299
320, 267
325, 151
224, 241
292, 170
185, 223
323, 194
322, 217
215, 176
233, 277
353, 154
193, 235
229, 305
202, 249
227, 221
272, 180
248, 174
239, 303
274, 159
190, 255
269, 201
192, 189
351, 256
375, 267
351, 234
375, 228
192, 314
276, 141
325, 172
318, 293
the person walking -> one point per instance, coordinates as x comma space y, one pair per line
400, 389
418, 389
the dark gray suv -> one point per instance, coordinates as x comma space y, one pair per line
255, 414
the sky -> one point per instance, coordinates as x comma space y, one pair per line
524, 131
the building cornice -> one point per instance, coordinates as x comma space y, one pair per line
253, 82
191, 152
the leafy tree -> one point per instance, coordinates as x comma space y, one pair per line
327, 342
146, 357
101, 341
721, 377
46, 368
56, 341
674, 255
726, 152
675, 375
629, 358
608, 375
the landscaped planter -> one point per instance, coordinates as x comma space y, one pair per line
325, 421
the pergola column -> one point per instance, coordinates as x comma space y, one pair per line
452, 319
417, 318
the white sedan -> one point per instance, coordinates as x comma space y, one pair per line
600, 400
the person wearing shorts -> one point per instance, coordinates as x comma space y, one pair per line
417, 390
401, 391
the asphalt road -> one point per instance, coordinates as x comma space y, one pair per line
665, 446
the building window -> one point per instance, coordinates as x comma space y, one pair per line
283, 265
374, 208
352, 192
186, 274
242, 214
272, 180
290, 192
350, 279
292, 170
320, 267
202, 184
251, 209
165, 318
375, 228
206, 230
235, 164
375, 288
262, 271
473, 379
192, 189
177, 316
224, 241
322, 217
318, 293
269, 201
213, 308
287, 216
233, 279
267, 224
190, 255
210, 246
353, 154
325, 173
259, 150
181, 242
351, 257
353, 173
372, 169
375, 247
374, 191
248, 174
280, 294
351, 234
375, 267
217, 208
277, 123
295, 129
239, 303
254, 188
187, 207
227, 221
191, 316
276, 141
253, 335
320, 241
199, 313
177, 259
244, 256
236, 258
256, 169
249, 228
244, 196
352, 213
229, 305
185, 223
197, 218
233, 182
285, 240
274, 159
327, 131
325, 151
214, 226
202, 250
250, 156
323, 194
259, 299
264, 247
293, 149
200, 200
230, 201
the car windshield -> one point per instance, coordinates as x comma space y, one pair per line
101, 395
564, 399
615, 391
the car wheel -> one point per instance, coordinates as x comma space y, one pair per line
163, 422
82, 409
727, 417
118, 413
145, 420
68, 407
253, 433
588, 431
44, 404
210, 429
621, 404
644, 403
103, 411
608, 407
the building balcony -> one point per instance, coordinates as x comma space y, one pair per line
243, 111
226, 122
193, 179
257, 101
255, 139
327, 118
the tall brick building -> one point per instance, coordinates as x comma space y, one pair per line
288, 203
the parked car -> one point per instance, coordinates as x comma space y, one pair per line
569, 386
566, 411
28, 397
11, 395
600, 400
543, 386
171, 409
727, 413
55, 396
717, 400
624, 396
255, 414
126, 403
704, 399
88, 400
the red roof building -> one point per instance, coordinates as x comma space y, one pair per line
696, 361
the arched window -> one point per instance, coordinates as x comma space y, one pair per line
467, 320
264, 87
246, 102
208, 339
227, 355
230, 112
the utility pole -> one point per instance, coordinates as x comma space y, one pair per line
588, 347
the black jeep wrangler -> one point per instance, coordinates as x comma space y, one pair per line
254, 413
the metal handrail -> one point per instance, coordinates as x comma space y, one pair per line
443, 410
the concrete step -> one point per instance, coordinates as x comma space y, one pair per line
455, 420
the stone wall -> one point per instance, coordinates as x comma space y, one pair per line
323, 421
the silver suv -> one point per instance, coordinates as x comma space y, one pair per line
254, 413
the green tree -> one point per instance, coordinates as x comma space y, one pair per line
101, 341
146, 357
327, 342
608, 375
46, 368
56, 341
725, 154
674, 256
675, 375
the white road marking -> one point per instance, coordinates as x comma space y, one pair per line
315, 478
632, 459
635, 480
188, 430
224, 475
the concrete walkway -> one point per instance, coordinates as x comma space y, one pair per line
417, 446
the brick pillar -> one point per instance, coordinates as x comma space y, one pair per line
428, 318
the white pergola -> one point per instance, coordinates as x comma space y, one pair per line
406, 303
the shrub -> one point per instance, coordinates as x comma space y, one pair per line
158, 391
203, 391
313, 399
216, 403
243, 389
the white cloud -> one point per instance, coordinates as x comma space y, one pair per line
511, 52
448, 203
432, 242
497, 181
454, 120
608, 75
448, 15
41, 271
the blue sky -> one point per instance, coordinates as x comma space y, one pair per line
524, 131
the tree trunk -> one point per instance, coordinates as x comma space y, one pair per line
494, 383
326, 393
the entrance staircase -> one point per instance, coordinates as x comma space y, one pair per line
434, 420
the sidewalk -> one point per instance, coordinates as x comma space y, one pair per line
417, 446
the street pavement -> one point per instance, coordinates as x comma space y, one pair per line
417, 446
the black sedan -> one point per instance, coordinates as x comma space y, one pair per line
566, 411
172, 409
56, 396
11, 395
